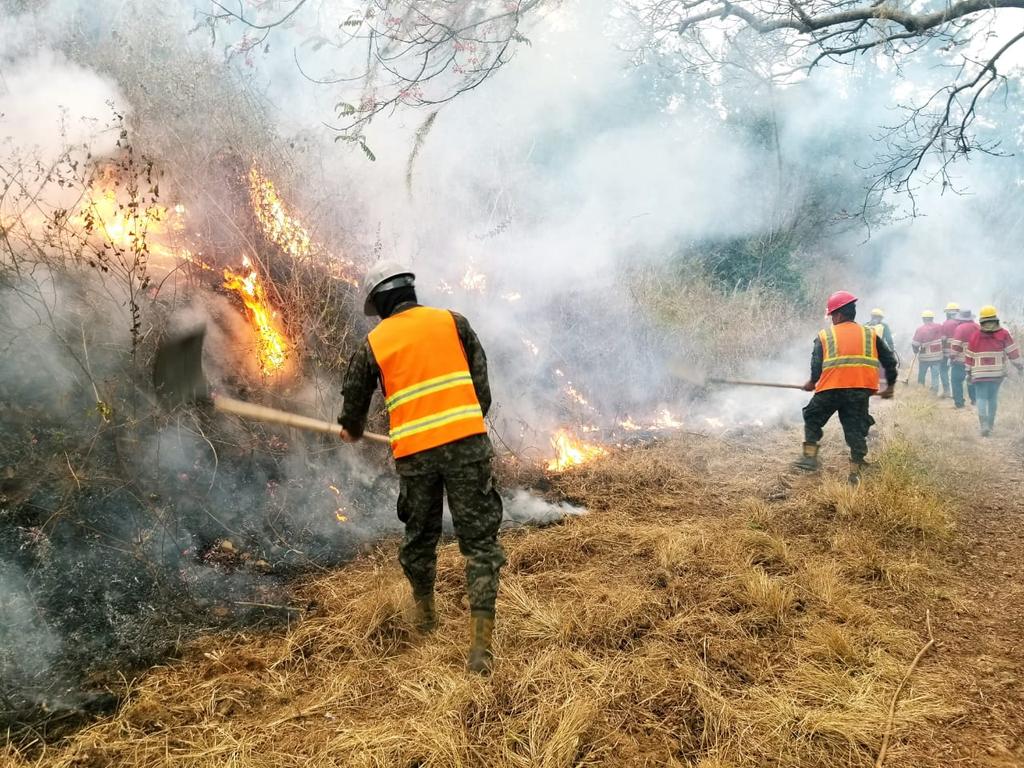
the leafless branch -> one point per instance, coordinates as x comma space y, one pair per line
417, 53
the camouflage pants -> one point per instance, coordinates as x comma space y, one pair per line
852, 406
476, 512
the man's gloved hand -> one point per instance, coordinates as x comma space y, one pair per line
809, 386
347, 437
887, 393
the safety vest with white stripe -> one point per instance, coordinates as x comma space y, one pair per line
428, 387
849, 358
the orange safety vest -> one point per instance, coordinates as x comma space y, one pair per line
849, 358
428, 388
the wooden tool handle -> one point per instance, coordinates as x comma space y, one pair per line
743, 383
274, 416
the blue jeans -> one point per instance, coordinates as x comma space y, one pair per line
957, 376
988, 397
935, 366
944, 375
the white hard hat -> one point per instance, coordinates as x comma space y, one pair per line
383, 276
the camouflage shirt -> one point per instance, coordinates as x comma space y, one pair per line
363, 378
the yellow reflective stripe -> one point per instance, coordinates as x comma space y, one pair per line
429, 387
436, 420
830, 341
848, 361
869, 343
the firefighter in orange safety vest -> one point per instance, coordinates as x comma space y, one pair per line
432, 371
844, 376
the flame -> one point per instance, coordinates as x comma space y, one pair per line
186, 255
122, 225
574, 394
272, 345
286, 231
474, 280
128, 225
571, 452
534, 349
666, 420
339, 513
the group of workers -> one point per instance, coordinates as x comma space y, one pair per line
847, 356
960, 351
432, 371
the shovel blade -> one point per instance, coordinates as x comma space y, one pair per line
178, 369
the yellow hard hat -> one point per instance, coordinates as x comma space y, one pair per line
988, 312
952, 307
928, 315
876, 312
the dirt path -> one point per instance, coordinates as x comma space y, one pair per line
981, 633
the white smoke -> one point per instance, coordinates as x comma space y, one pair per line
48, 104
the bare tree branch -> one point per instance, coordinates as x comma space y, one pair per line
418, 53
915, 23
805, 34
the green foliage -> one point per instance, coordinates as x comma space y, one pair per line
359, 141
741, 263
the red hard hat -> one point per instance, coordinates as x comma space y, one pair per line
838, 300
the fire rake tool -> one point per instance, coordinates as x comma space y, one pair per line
774, 385
744, 383
178, 378
910, 370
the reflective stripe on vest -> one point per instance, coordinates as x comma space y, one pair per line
428, 387
987, 365
849, 358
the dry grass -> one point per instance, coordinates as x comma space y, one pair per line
671, 626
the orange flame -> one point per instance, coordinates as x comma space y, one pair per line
571, 452
286, 231
272, 345
339, 513
122, 225
128, 225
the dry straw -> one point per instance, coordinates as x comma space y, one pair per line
685, 621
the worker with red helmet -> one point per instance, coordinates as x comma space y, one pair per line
929, 346
844, 376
